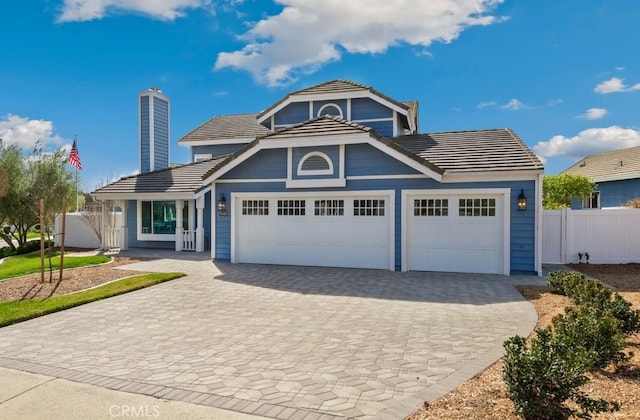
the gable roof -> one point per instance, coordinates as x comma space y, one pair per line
177, 180
338, 86
326, 126
472, 151
609, 166
225, 127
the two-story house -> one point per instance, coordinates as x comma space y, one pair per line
338, 175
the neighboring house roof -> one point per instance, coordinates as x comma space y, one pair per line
338, 86
184, 179
609, 166
226, 127
472, 151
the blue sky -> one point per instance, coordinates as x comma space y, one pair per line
565, 75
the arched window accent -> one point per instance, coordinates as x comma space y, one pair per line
330, 109
315, 163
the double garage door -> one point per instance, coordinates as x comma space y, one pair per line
333, 231
442, 232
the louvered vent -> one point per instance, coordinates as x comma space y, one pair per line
315, 163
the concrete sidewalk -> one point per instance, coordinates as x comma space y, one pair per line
37, 397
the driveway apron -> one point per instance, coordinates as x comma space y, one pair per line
281, 342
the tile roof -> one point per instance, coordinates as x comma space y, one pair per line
179, 179
617, 164
472, 151
333, 86
226, 127
325, 125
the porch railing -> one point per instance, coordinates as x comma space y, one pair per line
112, 238
188, 240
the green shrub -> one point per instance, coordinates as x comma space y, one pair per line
629, 319
32, 246
596, 331
564, 281
542, 378
6, 251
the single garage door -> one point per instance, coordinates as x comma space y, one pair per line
458, 233
331, 231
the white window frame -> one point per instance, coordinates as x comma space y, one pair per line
303, 172
587, 201
168, 237
320, 114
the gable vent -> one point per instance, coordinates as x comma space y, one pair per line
315, 163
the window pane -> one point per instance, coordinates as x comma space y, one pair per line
164, 217
146, 217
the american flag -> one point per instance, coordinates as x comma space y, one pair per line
74, 157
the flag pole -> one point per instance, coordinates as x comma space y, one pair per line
75, 140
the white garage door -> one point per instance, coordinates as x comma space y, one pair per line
458, 233
331, 231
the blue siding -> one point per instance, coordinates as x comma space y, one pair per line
613, 193
293, 113
363, 159
366, 109
332, 151
384, 128
215, 150
160, 134
207, 221
340, 103
366, 160
145, 135
264, 164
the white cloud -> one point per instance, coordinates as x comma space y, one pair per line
487, 104
594, 114
554, 102
613, 85
587, 142
514, 105
26, 133
83, 10
307, 34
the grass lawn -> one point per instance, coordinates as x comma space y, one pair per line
17, 311
21, 265
35, 235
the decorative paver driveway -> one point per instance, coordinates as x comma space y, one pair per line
281, 342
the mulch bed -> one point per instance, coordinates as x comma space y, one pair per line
76, 279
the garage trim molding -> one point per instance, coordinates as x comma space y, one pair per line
387, 194
506, 211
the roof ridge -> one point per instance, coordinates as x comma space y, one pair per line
312, 120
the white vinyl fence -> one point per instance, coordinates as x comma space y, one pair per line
79, 232
610, 236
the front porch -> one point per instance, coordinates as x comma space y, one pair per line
180, 222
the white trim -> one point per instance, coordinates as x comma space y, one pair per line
336, 106
202, 156
538, 224
374, 120
165, 196
506, 225
341, 161
387, 194
250, 180
395, 123
332, 96
213, 142
301, 172
348, 109
486, 176
375, 177
152, 137
289, 163
310, 110
214, 212
279, 126
202, 192
316, 183
168, 237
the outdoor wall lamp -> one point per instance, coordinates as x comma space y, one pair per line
522, 201
222, 206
